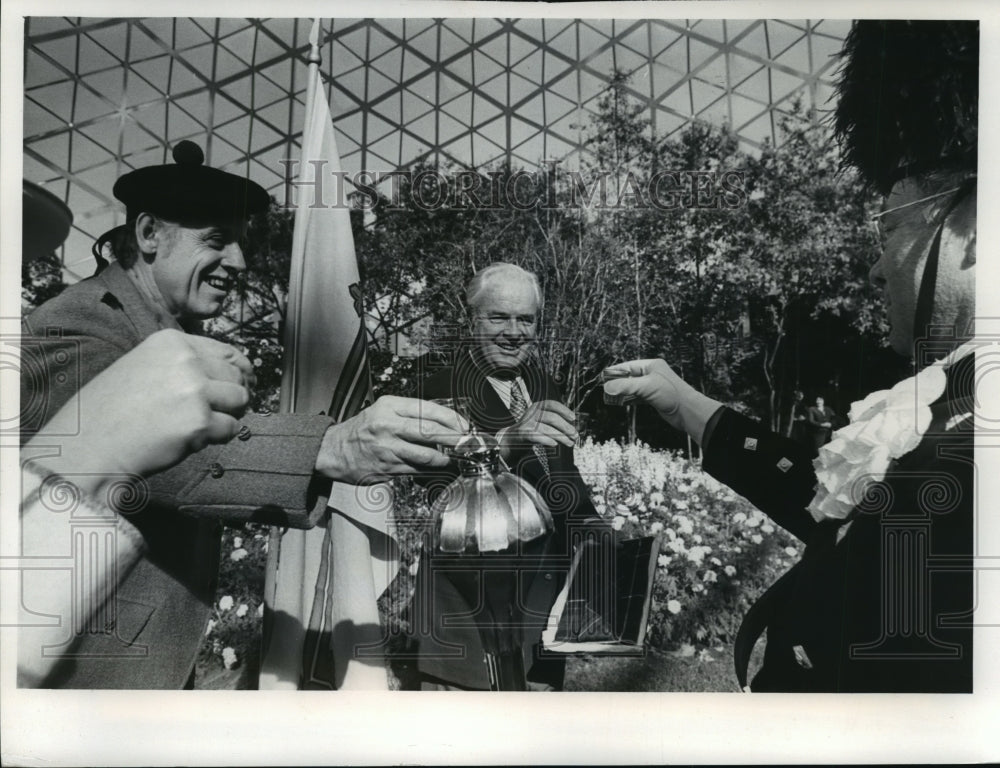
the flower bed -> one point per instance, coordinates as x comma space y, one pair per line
718, 552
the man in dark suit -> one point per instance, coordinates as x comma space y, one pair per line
175, 260
883, 597
511, 397
820, 420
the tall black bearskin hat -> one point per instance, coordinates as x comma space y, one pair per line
909, 98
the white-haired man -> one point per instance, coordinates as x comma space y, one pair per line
511, 397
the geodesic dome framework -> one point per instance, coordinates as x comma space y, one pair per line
103, 96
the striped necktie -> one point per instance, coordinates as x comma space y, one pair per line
518, 405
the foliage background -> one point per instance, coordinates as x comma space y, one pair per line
752, 304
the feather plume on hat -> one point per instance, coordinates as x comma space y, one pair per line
908, 98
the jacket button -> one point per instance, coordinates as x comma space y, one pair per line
548, 577
244, 433
215, 470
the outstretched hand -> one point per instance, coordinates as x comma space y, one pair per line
655, 382
395, 435
547, 423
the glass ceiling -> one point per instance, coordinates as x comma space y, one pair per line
102, 96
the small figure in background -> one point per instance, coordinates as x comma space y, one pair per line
819, 418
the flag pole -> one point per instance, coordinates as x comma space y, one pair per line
322, 627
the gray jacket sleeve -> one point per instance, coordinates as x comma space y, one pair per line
263, 475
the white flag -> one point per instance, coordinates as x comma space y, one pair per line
323, 627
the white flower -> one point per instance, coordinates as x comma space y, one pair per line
715, 561
767, 528
791, 552
697, 588
673, 606
756, 538
229, 657
225, 603
663, 561
684, 525
260, 610
618, 523
656, 527
210, 627
656, 498
237, 542
680, 504
242, 610
696, 538
739, 517
237, 554
695, 555
710, 576
257, 362
729, 570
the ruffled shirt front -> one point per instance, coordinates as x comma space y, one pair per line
883, 427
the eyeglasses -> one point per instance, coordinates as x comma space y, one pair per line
525, 322
880, 214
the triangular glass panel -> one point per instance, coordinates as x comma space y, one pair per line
156, 72
714, 72
741, 67
57, 98
145, 43
389, 62
591, 38
93, 57
38, 120
784, 34
520, 48
54, 149
139, 92
241, 44
460, 70
39, 71
796, 56
181, 125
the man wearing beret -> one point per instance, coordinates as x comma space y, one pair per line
175, 260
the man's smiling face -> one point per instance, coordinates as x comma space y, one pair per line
505, 322
196, 266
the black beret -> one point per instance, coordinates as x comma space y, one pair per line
187, 188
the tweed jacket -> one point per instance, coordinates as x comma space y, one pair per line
882, 600
158, 616
443, 613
